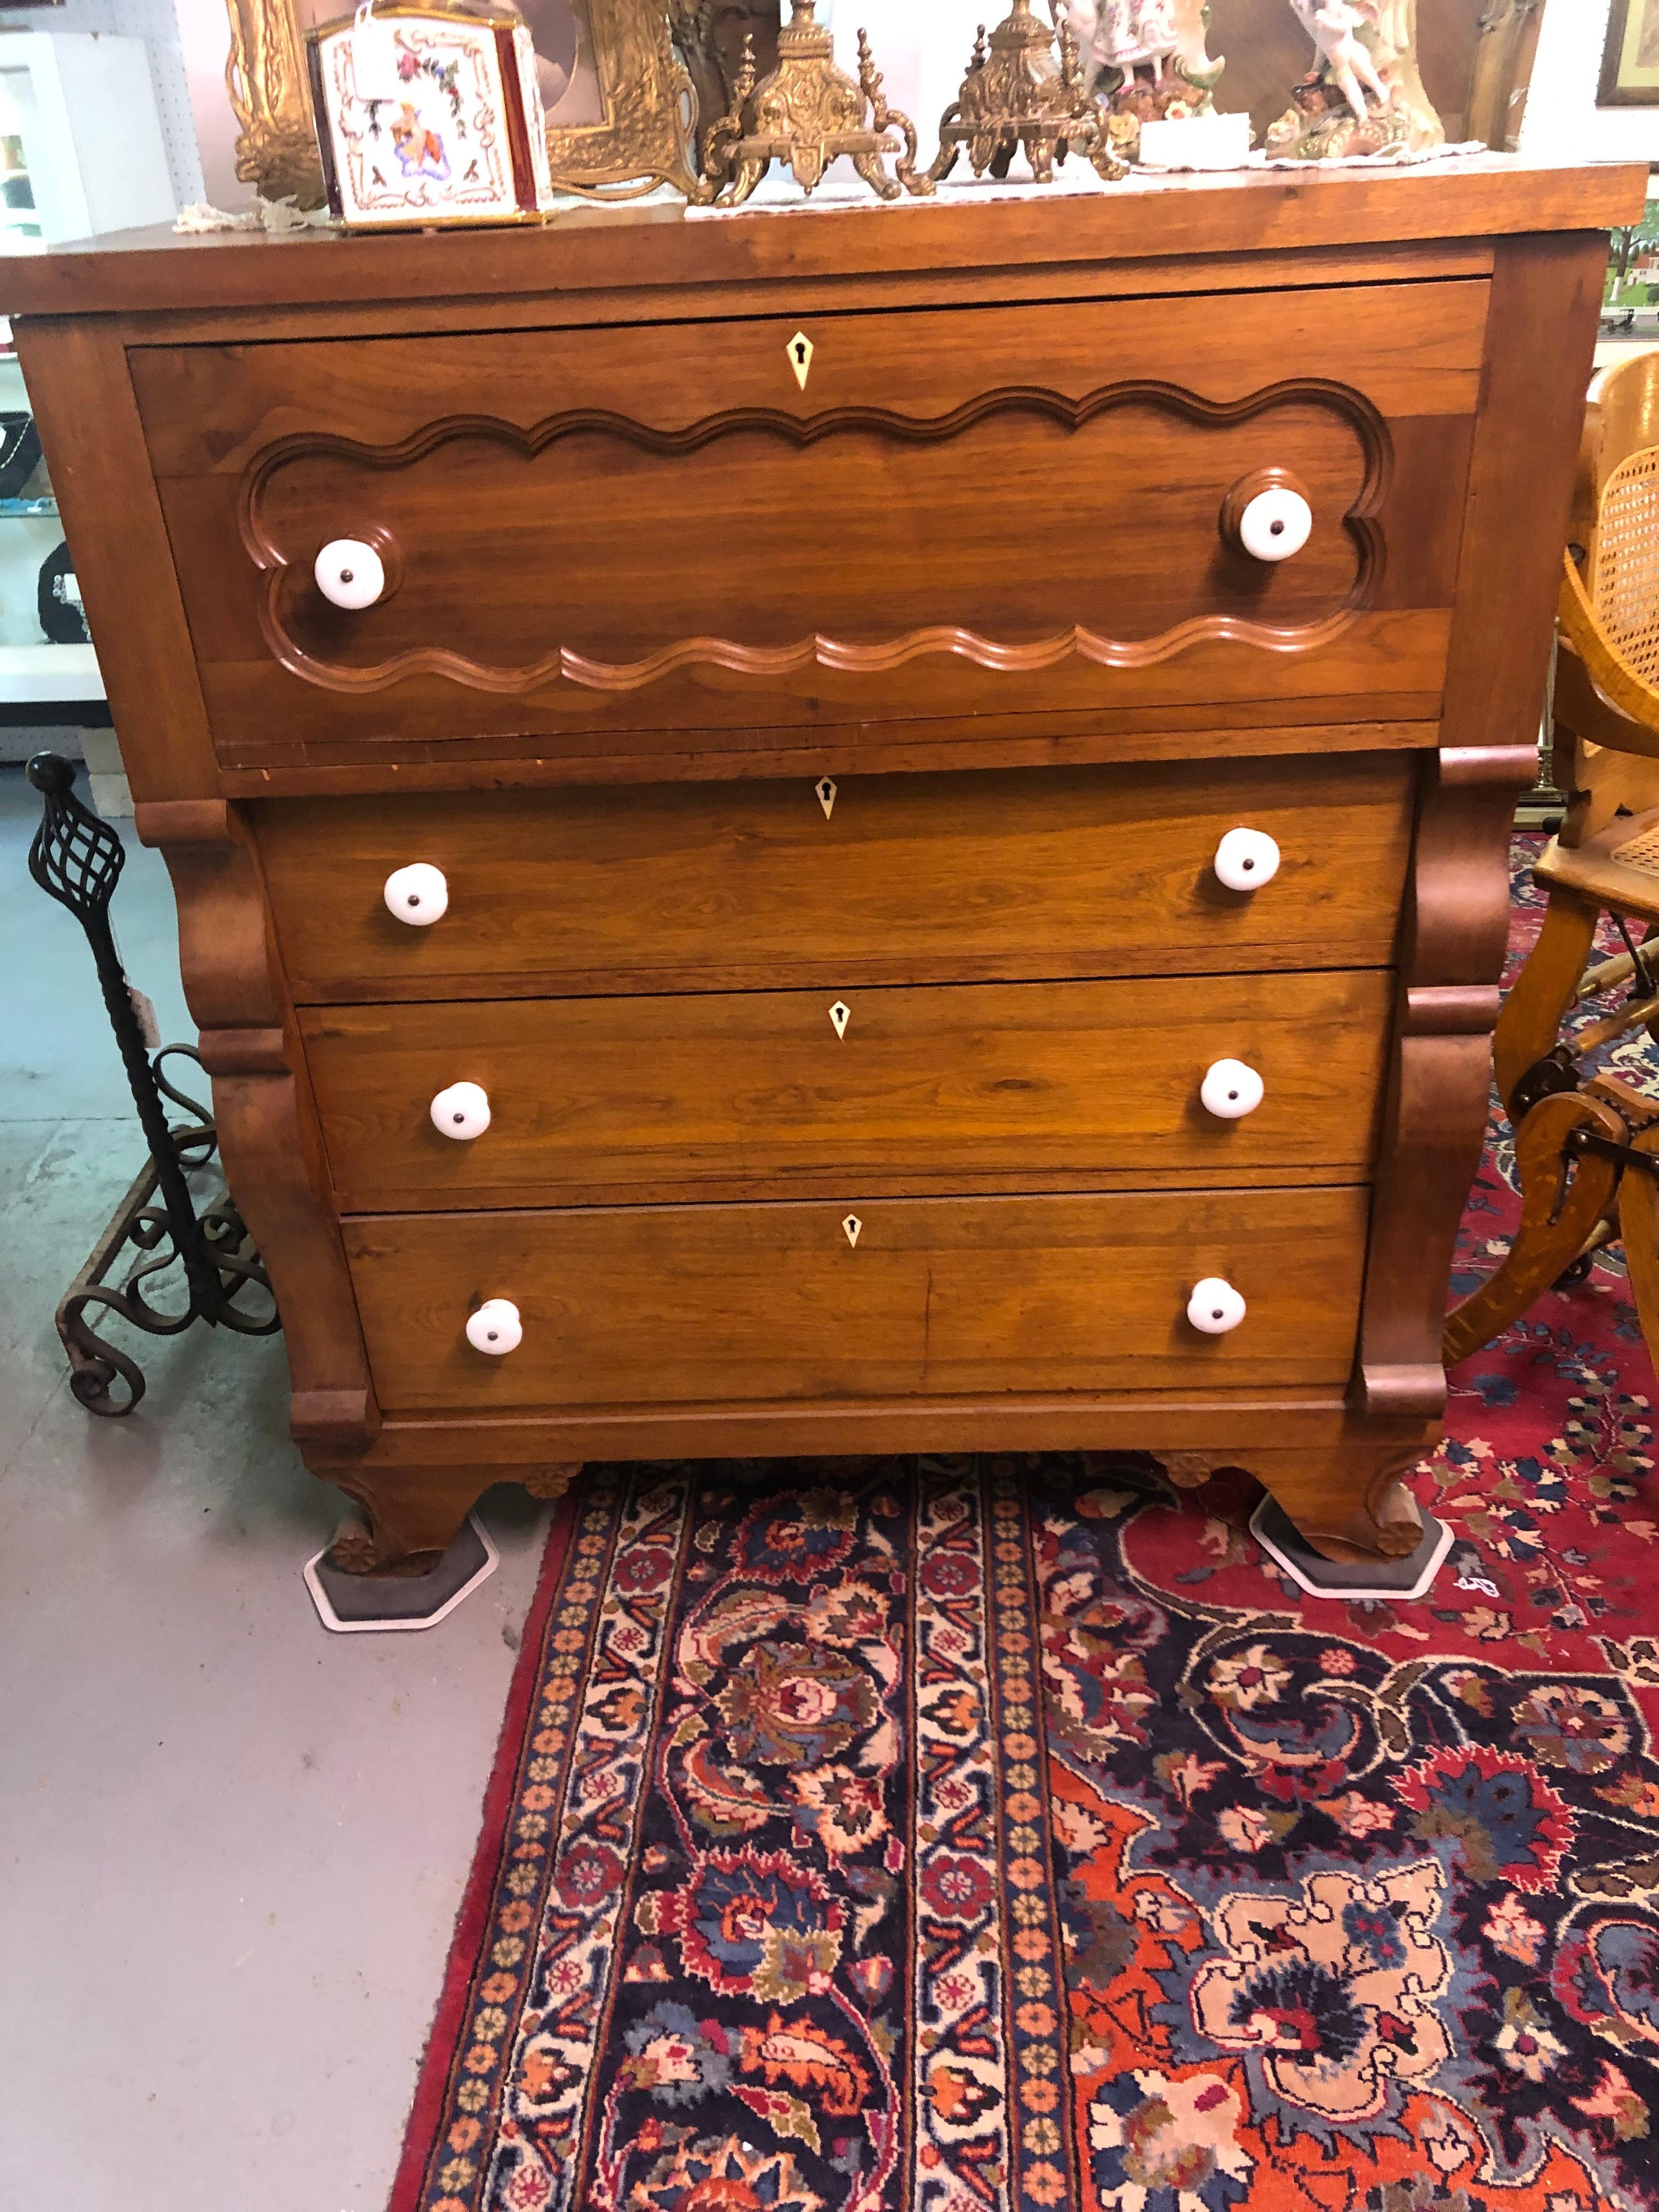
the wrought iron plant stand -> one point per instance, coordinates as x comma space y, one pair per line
76, 858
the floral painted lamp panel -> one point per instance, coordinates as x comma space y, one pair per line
626, 123
428, 116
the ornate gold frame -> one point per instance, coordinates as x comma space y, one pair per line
645, 139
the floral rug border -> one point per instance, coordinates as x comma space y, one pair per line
443, 2051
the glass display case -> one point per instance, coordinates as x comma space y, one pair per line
81, 145
80, 153
49, 674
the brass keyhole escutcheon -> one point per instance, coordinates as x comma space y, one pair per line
800, 357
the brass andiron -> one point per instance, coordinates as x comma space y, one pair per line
805, 114
1015, 93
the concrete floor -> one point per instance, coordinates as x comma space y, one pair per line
231, 1846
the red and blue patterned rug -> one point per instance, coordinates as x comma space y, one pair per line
1004, 1836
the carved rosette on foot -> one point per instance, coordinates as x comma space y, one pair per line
1015, 95
806, 114
548, 1482
1365, 94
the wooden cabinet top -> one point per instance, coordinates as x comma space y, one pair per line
620, 250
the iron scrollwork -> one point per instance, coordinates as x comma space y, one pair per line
76, 858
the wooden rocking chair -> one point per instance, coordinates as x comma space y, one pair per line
1586, 1143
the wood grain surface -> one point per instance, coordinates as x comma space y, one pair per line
532, 586
654, 1306
1457, 917
220, 410
747, 886
944, 743
269, 1139
601, 260
647, 591
606, 1100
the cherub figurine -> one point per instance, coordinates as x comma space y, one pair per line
1331, 25
1363, 95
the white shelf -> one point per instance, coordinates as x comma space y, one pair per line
33, 674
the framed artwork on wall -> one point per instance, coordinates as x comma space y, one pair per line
619, 100
1630, 61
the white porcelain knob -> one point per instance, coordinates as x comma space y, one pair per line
349, 574
418, 894
495, 1327
1276, 524
1215, 1307
462, 1111
1246, 858
1230, 1091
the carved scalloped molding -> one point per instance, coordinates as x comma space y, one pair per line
820, 651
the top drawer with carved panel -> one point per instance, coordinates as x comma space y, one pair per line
1242, 508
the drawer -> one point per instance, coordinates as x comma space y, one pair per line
1048, 873
901, 1090
711, 1304
972, 510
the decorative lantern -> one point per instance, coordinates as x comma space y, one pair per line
429, 115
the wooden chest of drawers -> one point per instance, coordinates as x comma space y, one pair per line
717, 910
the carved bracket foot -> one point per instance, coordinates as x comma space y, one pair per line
409, 1515
1347, 1499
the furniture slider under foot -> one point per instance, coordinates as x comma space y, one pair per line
349, 1603
1407, 1578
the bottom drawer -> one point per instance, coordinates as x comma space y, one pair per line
711, 1304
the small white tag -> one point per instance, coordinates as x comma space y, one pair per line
1478, 1583
374, 58
149, 1027
851, 1226
826, 792
841, 1015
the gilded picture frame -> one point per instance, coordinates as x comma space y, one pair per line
1629, 60
636, 131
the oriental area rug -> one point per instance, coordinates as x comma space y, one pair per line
1003, 1835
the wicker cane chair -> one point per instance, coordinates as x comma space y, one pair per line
1587, 1143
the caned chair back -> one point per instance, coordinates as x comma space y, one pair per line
1617, 511
1607, 679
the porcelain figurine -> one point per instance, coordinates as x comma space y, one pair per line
1363, 95
1157, 56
